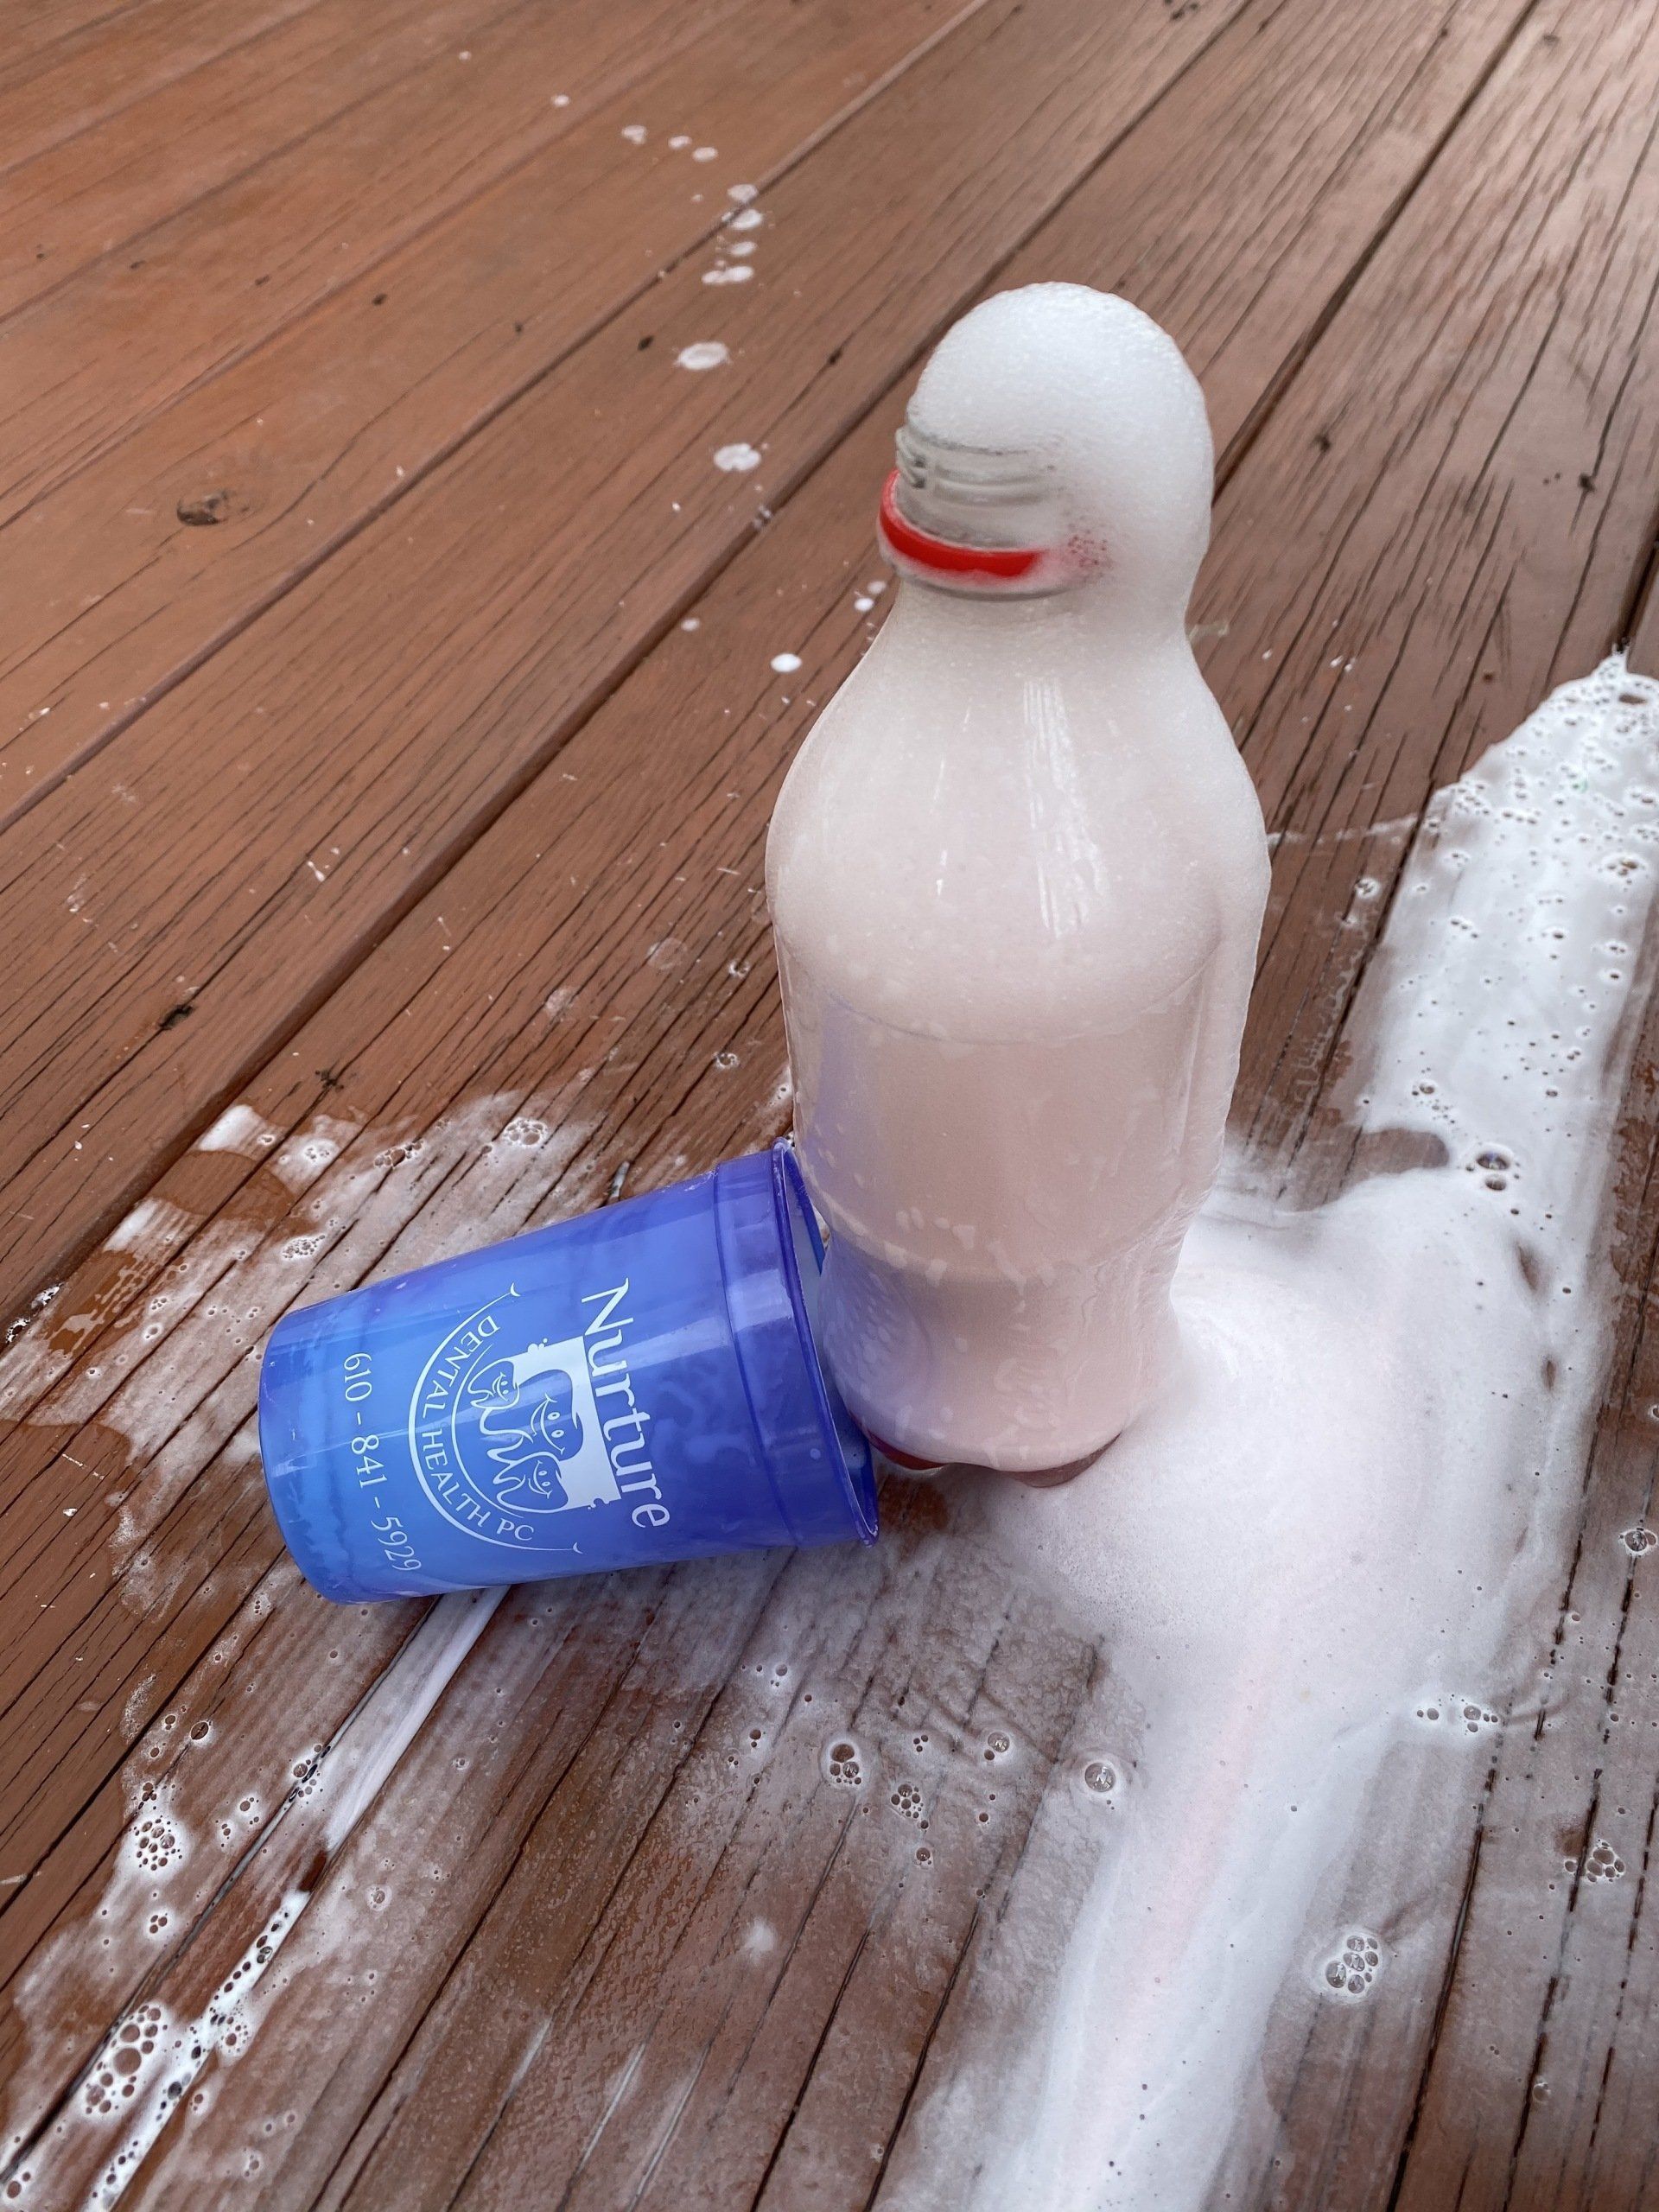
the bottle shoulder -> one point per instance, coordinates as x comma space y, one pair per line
1061, 845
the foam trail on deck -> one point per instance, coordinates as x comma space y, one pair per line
1343, 1515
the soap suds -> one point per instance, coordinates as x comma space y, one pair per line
411, 1690
1360, 1484
1346, 1565
173, 2055
1015, 376
707, 353
240, 1130
153, 2056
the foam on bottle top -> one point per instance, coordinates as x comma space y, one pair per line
1019, 742
1099, 395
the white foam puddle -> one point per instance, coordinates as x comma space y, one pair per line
241, 1131
153, 2056
1359, 1487
1332, 1543
157, 2061
409, 1691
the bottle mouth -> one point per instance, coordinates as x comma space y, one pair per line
917, 551
977, 519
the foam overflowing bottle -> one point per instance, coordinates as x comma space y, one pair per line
1017, 875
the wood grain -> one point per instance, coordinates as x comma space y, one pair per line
112, 347
316, 431
584, 518
1512, 417
670, 1964
92, 195
99, 60
52, 22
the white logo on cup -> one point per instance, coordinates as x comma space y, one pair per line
504, 1435
502, 1439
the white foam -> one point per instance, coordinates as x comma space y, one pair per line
174, 2054
736, 459
303, 1158
1360, 1484
1094, 392
151, 1230
705, 353
151, 2059
410, 1690
240, 1130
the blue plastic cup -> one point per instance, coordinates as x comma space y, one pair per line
638, 1385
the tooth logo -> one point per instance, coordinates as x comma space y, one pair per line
534, 1438
505, 1434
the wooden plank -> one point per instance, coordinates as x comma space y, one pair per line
613, 1068
1086, 218
52, 21
883, 1905
1522, 407
1528, 2089
113, 347
1507, 519
90, 195
316, 431
94, 68
1539, 2072
273, 870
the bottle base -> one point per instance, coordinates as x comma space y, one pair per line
1052, 1478
906, 1461
1033, 1477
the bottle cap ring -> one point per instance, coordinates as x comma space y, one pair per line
913, 547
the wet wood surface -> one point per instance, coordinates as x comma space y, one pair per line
390, 734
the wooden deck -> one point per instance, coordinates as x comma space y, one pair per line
389, 739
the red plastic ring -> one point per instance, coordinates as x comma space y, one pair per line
1004, 564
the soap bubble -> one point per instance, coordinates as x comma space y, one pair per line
1100, 1780
1349, 1971
844, 1763
1602, 1863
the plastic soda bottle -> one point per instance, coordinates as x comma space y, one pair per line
1017, 875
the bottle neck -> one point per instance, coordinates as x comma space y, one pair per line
1084, 618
